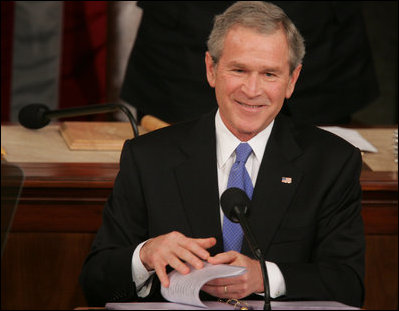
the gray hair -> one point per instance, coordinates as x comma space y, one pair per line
265, 18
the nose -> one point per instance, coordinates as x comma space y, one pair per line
252, 85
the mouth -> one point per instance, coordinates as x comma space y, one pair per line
251, 107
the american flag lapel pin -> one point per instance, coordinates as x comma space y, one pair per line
286, 180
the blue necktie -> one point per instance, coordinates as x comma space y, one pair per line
239, 178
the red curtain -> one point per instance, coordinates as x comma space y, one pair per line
83, 53
83, 56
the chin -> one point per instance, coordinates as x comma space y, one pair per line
251, 126
248, 131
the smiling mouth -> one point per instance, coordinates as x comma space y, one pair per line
250, 106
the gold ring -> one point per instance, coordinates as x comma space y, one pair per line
225, 289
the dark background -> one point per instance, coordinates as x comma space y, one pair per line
381, 19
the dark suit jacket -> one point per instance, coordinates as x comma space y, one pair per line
312, 228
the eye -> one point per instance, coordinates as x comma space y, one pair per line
270, 76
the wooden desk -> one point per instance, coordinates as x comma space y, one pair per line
60, 211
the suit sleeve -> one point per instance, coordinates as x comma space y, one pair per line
107, 274
336, 268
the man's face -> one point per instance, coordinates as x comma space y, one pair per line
251, 79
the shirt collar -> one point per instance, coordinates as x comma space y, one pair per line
226, 142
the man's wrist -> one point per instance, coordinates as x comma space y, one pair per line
139, 272
276, 280
141, 255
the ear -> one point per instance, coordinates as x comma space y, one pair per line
293, 79
210, 69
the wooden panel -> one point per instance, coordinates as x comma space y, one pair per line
380, 219
381, 277
70, 216
373, 181
40, 271
75, 175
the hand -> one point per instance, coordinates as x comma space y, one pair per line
235, 287
172, 249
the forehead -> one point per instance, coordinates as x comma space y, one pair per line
244, 44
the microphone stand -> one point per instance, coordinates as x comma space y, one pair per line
257, 253
94, 109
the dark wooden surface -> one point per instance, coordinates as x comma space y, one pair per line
60, 211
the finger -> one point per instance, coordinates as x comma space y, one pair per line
177, 264
223, 258
198, 246
224, 291
189, 257
207, 243
225, 281
211, 290
162, 276
191, 252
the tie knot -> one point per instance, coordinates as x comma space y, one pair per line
242, 152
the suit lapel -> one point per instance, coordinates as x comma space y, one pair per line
198, 182
272, 196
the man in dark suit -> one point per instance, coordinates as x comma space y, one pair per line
164, 209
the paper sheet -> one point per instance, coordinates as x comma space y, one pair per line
185, 288
352, 136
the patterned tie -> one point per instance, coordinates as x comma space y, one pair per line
239, 178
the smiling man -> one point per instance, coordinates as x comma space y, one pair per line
164, 210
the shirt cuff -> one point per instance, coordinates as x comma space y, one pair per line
276, 280
141, 277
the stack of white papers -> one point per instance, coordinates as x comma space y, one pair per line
185, 288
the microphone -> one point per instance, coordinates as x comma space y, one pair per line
36, 116
235, 205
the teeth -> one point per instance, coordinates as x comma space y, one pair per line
250, 106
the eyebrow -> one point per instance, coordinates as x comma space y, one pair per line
264, 68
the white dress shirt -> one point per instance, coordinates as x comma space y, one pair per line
226, 143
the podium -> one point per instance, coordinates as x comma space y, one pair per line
215, 305
61, 205
11, 185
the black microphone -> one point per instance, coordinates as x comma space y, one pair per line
36, 116
235, 205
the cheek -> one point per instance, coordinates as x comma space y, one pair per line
276, 92
230, 82
226, 87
